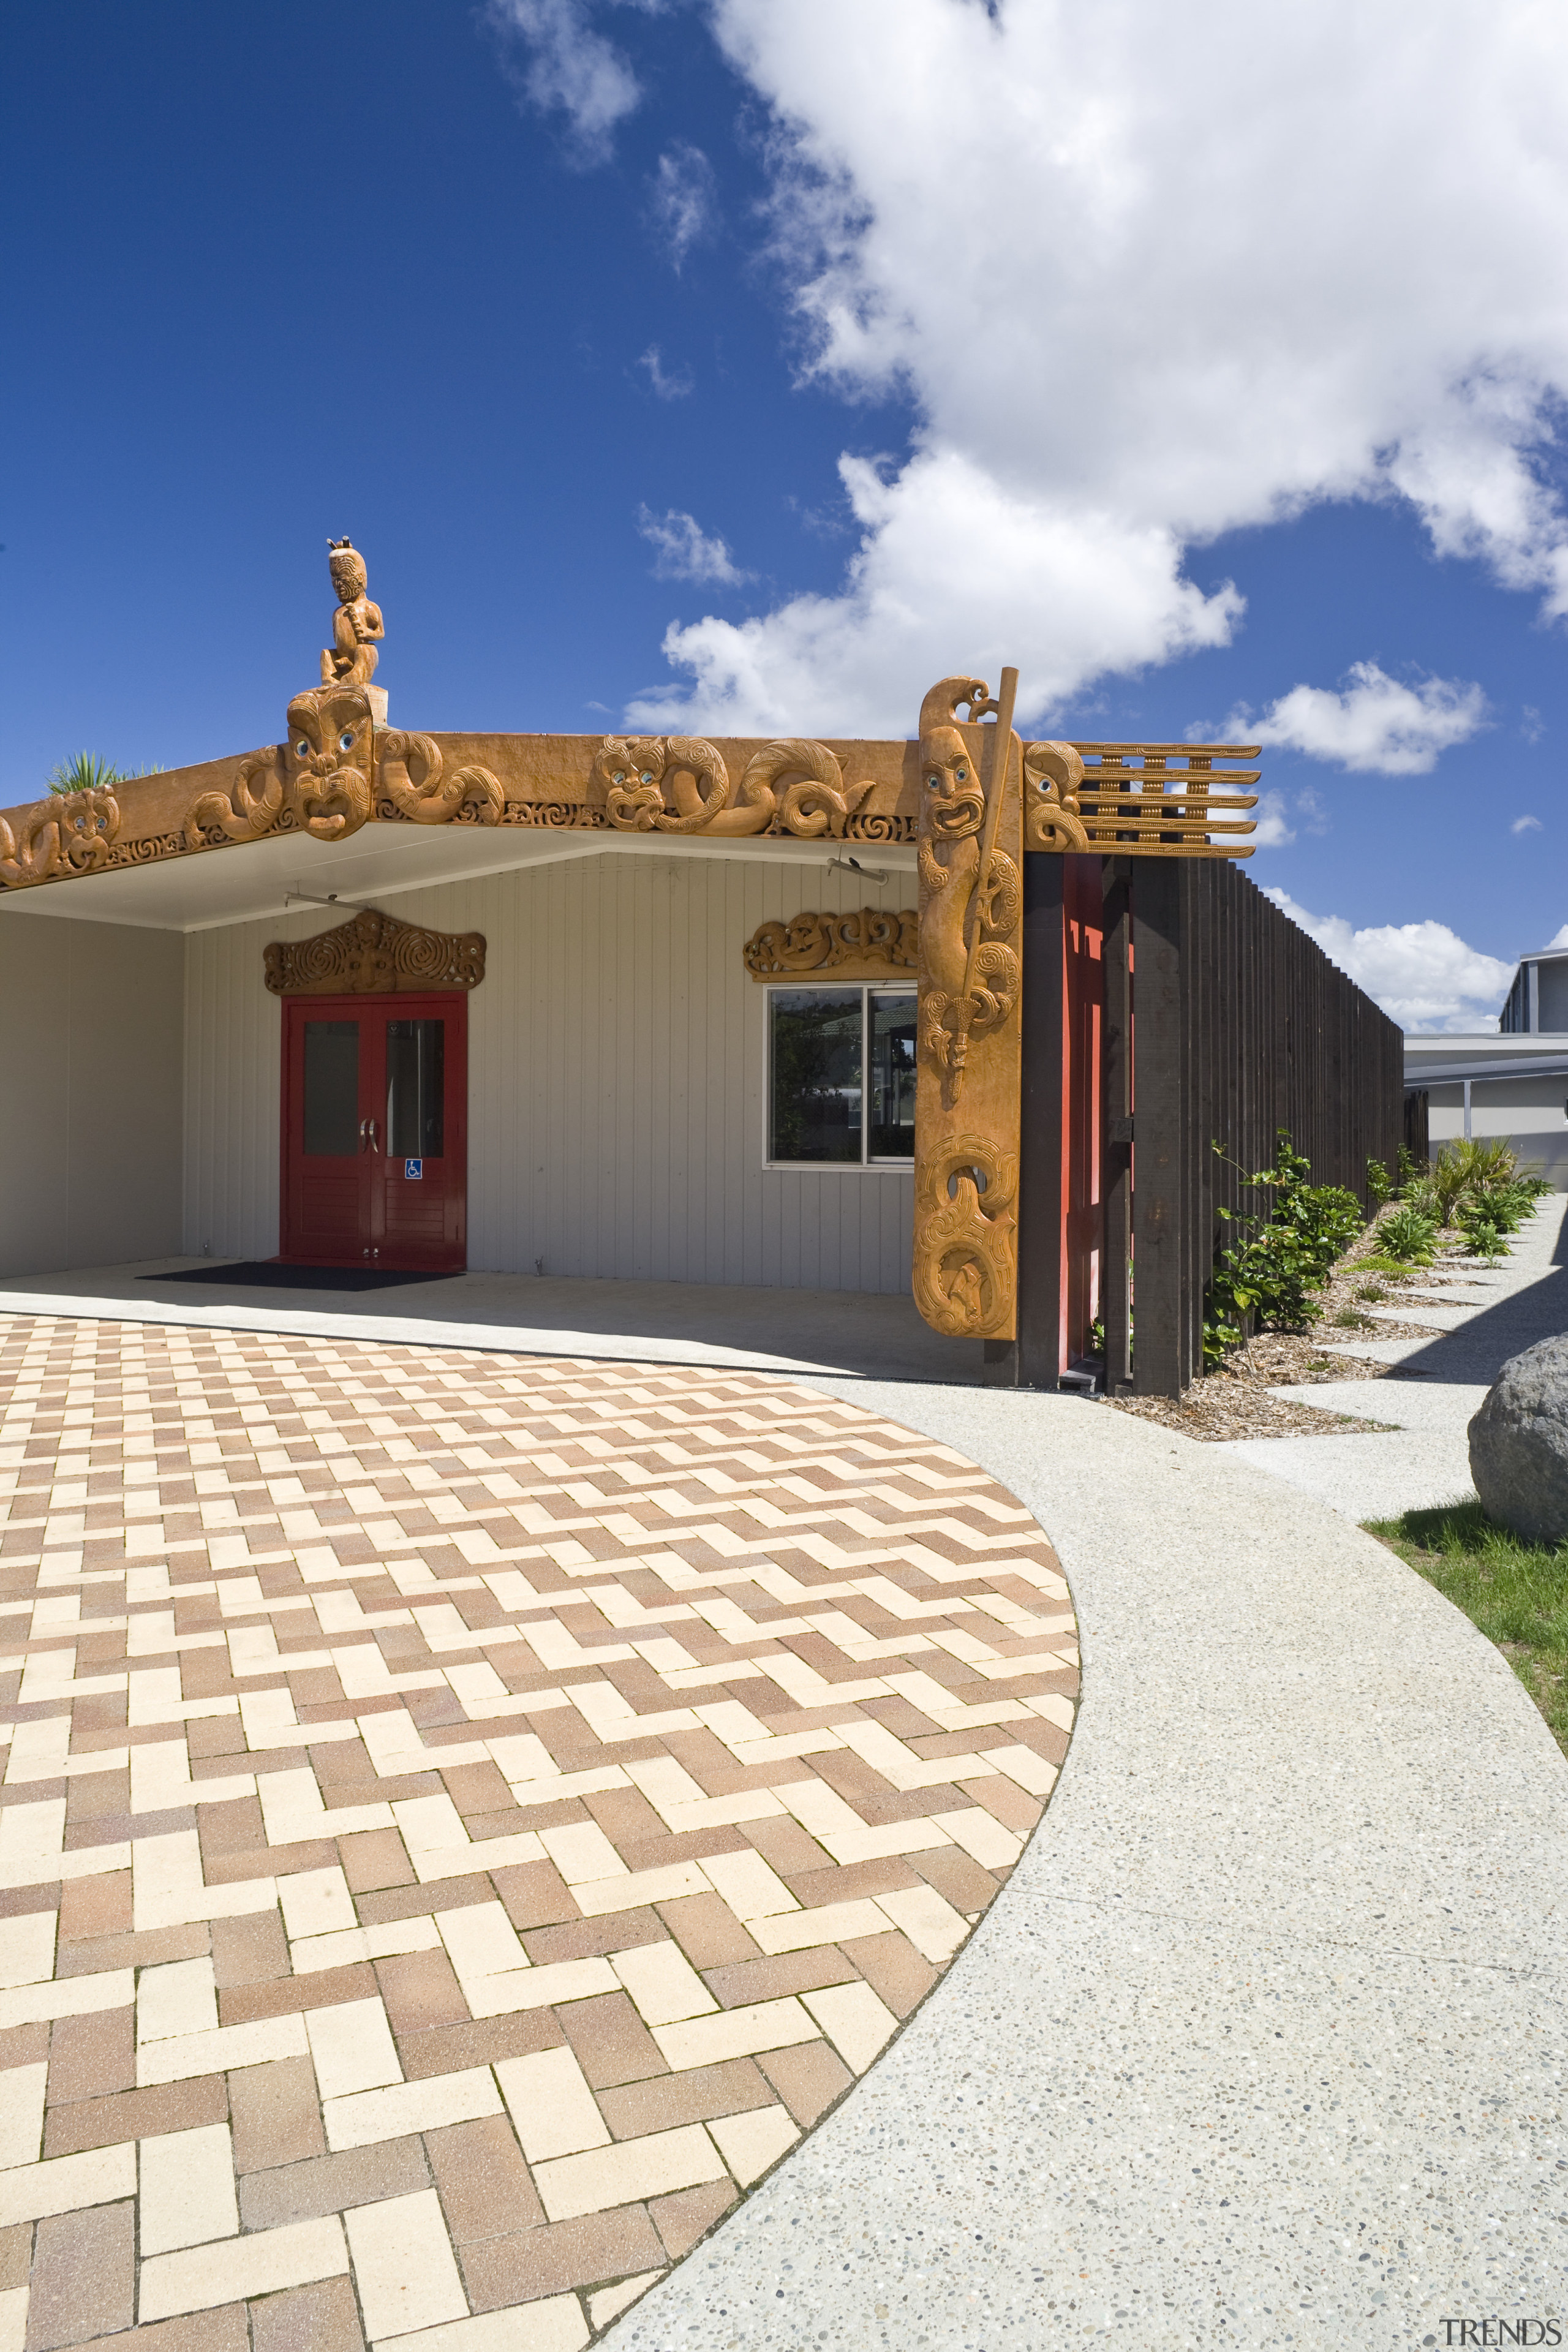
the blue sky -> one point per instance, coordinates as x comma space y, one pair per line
278, 274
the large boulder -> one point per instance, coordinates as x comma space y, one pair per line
1518, 1444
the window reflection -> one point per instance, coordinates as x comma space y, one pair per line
415, 1071
890, 1022
841, 1074
815, 1075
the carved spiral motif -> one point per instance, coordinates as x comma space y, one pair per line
878, 827
373, 954
873, 938
249, 813
436, 798
963, 1266
554, 814
819, 802
635, 771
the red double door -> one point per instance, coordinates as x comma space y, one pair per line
376, 1131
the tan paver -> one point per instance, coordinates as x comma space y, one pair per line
463, 1818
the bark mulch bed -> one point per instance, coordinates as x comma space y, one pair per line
1235, 1400
1227, 1403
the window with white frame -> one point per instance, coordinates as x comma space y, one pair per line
841, 1076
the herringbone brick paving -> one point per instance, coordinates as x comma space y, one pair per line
465, 1818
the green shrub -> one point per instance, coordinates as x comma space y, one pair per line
1470, 1165
1270, 1274
1379, 1183
1485, 1223
1422, 1196
1407, 1236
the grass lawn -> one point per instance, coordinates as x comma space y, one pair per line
1516, 1593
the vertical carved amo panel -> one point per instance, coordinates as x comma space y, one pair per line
970, 1023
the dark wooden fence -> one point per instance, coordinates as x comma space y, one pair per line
1240, 1026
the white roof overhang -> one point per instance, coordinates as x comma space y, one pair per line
255, 878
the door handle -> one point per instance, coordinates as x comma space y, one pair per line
367, 1135
374, 1135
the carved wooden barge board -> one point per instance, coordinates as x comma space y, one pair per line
970, 1031
337, 770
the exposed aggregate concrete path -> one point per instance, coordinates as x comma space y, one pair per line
1264, 2041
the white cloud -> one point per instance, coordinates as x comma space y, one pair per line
572, 69
1560, 939
1273, 831
667, 385
1423, 975
1148, 274
1525, 825
955, 571
685, 550
1376, 726
685, 200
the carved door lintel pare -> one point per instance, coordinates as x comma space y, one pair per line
373, 954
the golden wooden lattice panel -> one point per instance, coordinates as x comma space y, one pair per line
1194, 820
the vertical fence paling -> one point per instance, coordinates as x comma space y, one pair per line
1242, 1026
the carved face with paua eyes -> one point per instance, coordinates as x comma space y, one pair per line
952, 803
329, 761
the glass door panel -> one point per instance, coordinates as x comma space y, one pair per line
416, 1089
332, 1113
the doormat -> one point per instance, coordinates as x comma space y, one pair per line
266, 1273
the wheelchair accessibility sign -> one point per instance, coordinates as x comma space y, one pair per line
413, 1170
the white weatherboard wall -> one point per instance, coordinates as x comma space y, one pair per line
616, 1080
89, 1093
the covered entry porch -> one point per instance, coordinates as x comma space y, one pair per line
616, 1107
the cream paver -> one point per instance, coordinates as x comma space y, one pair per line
187, 2189
591, 1691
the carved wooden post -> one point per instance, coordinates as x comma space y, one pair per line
969, 1029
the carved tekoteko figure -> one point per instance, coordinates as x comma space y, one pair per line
357, 628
